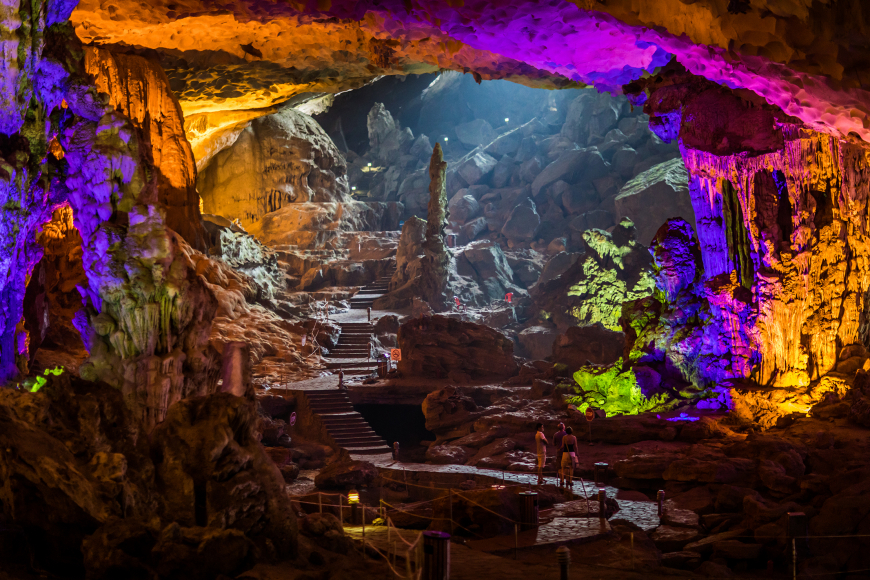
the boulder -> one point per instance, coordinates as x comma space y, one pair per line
476, 167
536, 342
644, 466
278, 160
659, 193
736, 550
681, 560
345, 474
463, 209
448, 454
523, 222
433, 346
572, 167
725, 470
475, 133
670, 538
594, 344
555, 266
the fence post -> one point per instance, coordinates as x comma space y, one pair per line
516, 541
340, 509
450, 497
563, 555
602, 503
632, 550
319, 503
797, 526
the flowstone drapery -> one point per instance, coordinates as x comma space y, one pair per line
147, 313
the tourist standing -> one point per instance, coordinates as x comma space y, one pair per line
557, 443
569, 458
541, 443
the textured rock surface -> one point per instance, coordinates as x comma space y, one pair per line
659, 193
759, 45
615, 269
140, 90
279, 160
436, 346
92, 493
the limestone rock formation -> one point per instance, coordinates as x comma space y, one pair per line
222, 477
438, 346
616, 269
279, 160
91, 493
139, 89
581, 345
659, 193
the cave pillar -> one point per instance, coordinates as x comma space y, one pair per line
433, 281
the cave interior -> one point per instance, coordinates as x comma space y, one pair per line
516, 282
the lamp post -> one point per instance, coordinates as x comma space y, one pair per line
355, 511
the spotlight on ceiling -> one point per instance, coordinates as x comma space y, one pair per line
445, 138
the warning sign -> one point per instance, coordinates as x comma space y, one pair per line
396, 354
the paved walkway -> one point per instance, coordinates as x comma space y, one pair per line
644, 514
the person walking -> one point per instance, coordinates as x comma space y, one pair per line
541, 444
557, 443
569, 458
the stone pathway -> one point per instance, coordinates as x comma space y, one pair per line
557, 531
643, 514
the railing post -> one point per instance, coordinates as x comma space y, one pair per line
319, 503
661, 499
563, 555
450, 498
340, 509
602, 497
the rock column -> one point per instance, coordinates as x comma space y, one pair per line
433, 283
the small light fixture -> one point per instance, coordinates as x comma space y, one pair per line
370, 164
507, 120
353, 188
353, 497
445, 138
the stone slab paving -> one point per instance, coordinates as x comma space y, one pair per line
557, 531
643, 514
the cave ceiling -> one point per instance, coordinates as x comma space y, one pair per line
229, 61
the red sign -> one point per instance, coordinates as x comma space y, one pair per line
456, 299
509, 297
396, 354
590, 414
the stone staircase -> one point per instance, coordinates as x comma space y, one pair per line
367, 295
349, 429
352, 352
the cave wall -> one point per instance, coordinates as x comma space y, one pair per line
146, 314
782, 230
278, 160
139, 89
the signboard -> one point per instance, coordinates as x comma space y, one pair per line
456, 299
509, 297
292, 418
590, 414
396, 354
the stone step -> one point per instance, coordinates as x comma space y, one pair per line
369, 450
344, 438
351, 365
